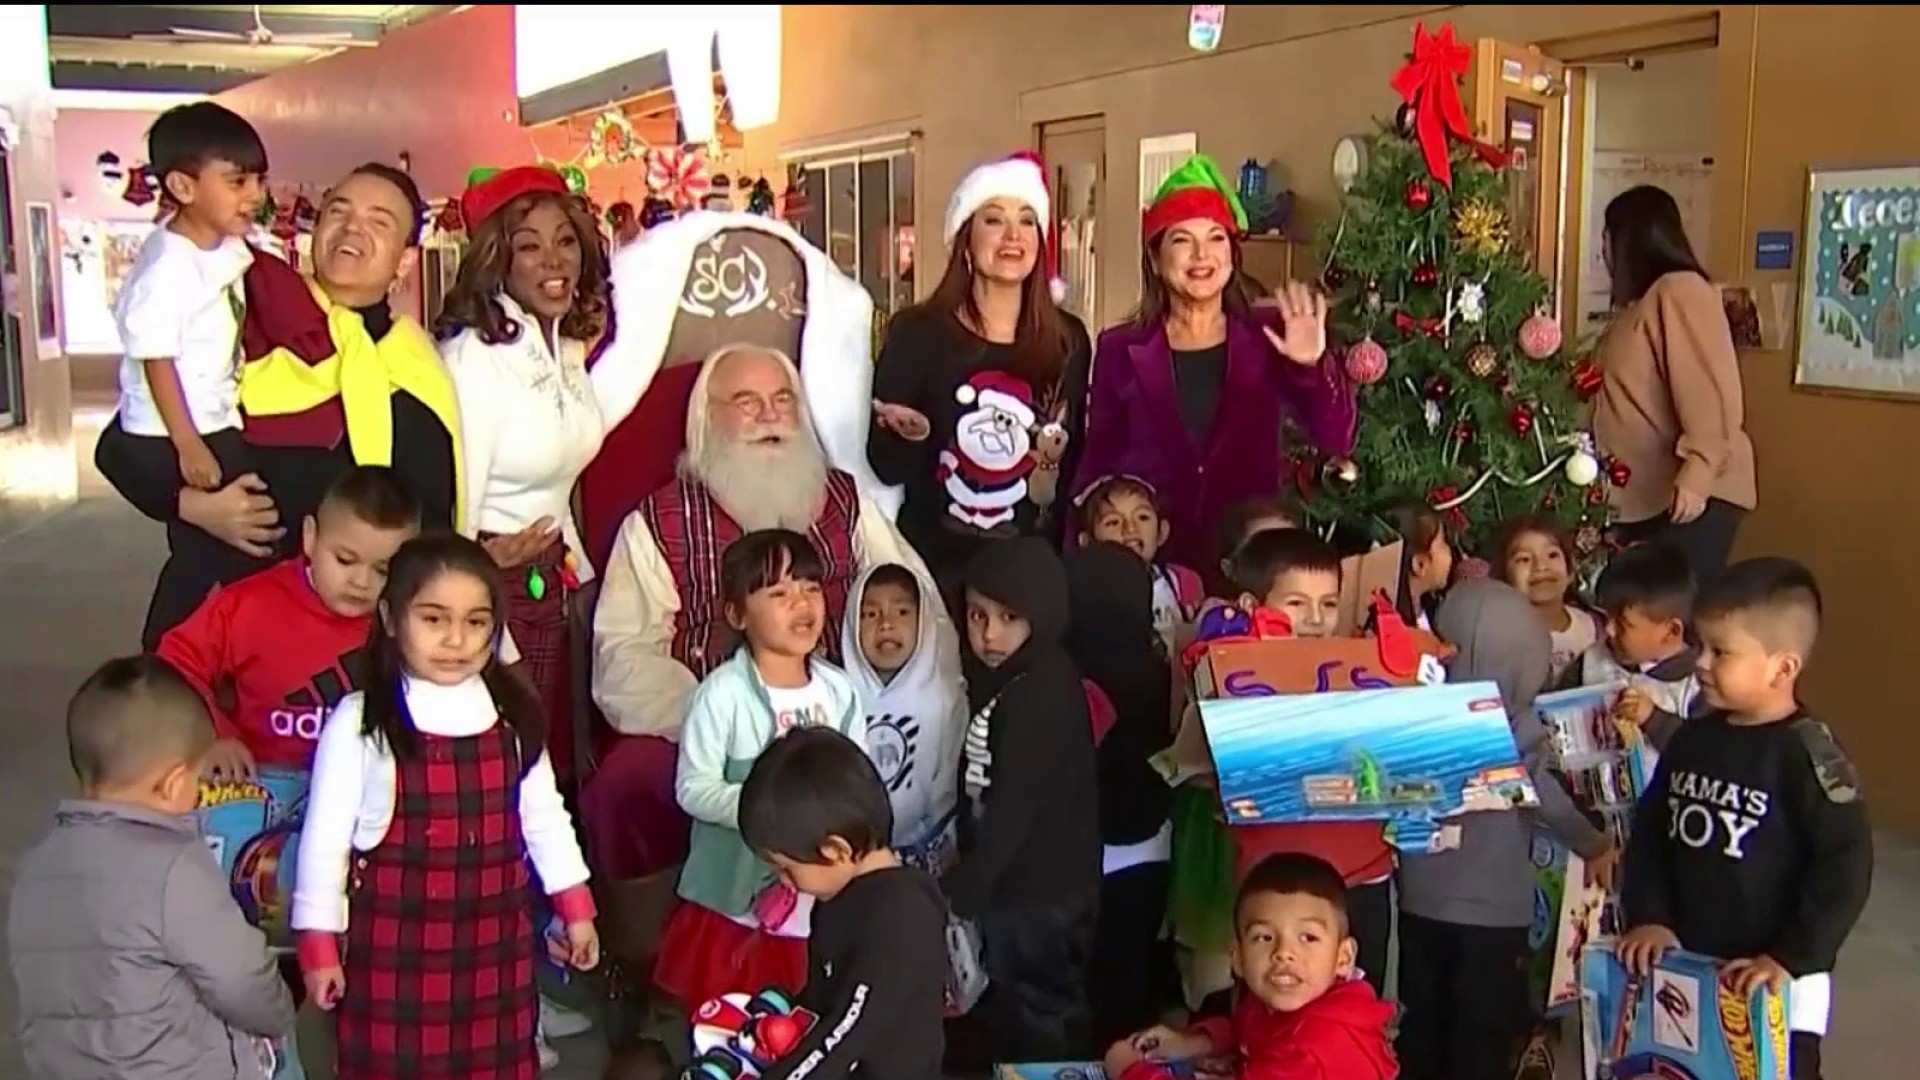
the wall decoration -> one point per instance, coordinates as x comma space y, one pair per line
1859, 321
42, 263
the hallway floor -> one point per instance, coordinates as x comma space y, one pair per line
73, 583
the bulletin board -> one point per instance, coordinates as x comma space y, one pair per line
1687, 177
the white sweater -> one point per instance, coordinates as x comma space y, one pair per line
350, 802
530, 422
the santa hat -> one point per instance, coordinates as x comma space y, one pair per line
1023, 176
1197, 189
999, 391
490, 189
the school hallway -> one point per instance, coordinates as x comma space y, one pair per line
73, 585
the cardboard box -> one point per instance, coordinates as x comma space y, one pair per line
253, 829
1680, 1021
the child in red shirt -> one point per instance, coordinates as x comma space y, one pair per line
1304, 1013
274, 652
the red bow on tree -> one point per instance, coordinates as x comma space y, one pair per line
1408, 325
1429, 84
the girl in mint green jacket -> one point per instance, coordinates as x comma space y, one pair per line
736, 928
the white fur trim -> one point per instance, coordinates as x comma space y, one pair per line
1001, 401
964, 393
1012, 178
836, 344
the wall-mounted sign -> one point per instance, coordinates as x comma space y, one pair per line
1773, 249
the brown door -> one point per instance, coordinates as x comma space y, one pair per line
1076, 155
1517, 96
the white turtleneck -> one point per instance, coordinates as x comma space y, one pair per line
350, 802
529, 424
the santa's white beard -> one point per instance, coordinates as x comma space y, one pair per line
764, 486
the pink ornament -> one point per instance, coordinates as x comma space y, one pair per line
1366, 362
1540, 336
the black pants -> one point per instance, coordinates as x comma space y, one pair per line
1465, 996
1706, 541
196, 560
1122, 982
1803, 1056
1035, 1008
1370, 921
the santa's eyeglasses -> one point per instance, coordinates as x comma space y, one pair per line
762, 407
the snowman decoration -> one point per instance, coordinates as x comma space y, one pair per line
985, 470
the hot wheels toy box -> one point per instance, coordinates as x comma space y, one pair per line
253, 829
1680, 1022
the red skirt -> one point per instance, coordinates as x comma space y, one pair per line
543, 635
704, 954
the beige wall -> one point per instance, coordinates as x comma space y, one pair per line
1666, 108
1793, 84
36, 459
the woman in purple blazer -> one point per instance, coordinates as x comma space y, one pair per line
1190, 393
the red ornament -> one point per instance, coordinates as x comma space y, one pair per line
1463, 431
449, 219
1425, 275
1618, 474
1587, 379
1540, 336
1596, 494
1522, 420
1419, 195
1334, 278
1366, 362
1439, 388
1549, 501
776, 1036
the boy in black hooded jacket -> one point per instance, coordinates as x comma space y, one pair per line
1029, 867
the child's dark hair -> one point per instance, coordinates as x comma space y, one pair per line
895, 575
1512, 529
1086, 509
374, 494
1272, 552
188, 138
641, 1059
1651, 578
132, 713
418, 562
1230, 532
1418, 525
1294, 873
1779, 598
762, 559
808, 786
408, 190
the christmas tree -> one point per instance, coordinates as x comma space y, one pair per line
1468, 401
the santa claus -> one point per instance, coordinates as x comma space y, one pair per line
758, 442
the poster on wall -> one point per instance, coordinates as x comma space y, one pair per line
41, 262
1859, 331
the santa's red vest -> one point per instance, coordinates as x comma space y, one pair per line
692, 531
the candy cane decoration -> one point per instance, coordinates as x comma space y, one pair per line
679, 175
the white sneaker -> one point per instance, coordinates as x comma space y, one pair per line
549, 1057
559, 1022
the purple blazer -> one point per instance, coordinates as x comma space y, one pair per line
1134, 427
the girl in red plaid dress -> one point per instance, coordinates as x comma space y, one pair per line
431, 792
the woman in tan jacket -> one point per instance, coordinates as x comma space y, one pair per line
1671, 407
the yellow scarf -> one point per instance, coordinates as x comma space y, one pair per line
363, 375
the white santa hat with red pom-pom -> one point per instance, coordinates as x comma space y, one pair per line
1022, 176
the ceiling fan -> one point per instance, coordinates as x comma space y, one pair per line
259, 35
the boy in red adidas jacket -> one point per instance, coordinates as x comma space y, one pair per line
1304, 1012
273, 652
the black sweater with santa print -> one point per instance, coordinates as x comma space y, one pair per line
924, 362
1752, 840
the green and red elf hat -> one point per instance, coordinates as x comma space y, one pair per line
489, 189
1197, 189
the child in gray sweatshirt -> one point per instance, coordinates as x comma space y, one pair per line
1464, 911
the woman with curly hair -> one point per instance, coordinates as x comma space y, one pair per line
530, 299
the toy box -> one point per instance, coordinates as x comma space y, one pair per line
1679, 1023
253, 829
1088, 1070
737, 1036
935, 847
1410, 756
1605, 767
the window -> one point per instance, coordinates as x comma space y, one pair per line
859, 210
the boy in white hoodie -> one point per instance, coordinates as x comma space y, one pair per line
915, 702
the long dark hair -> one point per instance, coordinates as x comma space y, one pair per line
474, 299
385, 717
1040, 344
1646, 240
1156, 300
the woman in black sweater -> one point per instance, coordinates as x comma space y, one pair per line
980, 392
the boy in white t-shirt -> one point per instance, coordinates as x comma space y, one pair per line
179, 316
